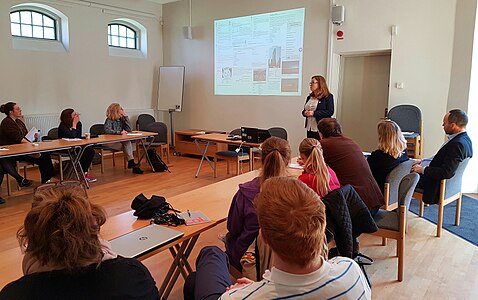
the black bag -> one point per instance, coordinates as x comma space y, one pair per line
156, 162
146, 208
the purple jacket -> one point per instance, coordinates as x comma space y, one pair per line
242, 221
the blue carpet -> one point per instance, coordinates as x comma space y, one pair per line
468, 228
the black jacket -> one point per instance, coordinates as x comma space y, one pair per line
444, 165
347, 218
381, 164
325, 108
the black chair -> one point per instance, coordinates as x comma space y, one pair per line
232, 155
99, 129
60, 156
278, 132
161, 140
143, 121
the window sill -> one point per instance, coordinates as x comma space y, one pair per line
123, 52
20, 43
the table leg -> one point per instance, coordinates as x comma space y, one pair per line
145, 153
177, 267
251, 159
76, 166
204, 156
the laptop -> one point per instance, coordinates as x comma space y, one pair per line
143, 240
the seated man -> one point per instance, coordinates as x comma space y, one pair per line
292, 222
345, 157
444, 164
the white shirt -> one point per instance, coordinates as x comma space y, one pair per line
311, 105
338, 278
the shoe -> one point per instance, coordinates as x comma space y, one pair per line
89, 178
24, 182
2, 201
132, 164
137, 170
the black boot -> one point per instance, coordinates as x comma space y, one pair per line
2, 201
132, 164
24, 182
137, 170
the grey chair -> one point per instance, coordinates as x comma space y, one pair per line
392, 224
59, 156
231, 155
409, 118
450, 190
160, 140
143, 121
99, 129
392, 183
278, 132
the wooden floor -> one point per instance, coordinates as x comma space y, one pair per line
435, 268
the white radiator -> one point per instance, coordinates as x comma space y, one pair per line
44, 122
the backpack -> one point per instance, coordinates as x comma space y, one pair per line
156, 162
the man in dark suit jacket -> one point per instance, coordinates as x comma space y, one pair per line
345, 157
445, 163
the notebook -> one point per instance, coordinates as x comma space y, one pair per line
143, 240
30, 136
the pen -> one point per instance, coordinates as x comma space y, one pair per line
189, 214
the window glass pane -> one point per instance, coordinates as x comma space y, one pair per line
114, 29
37, 31
48, 22
129, 33
37, 19
49, 33
114, 41
15, 17
109, 29
122, 42
26, 17
15, 29
131, 44
27, 30
122, 31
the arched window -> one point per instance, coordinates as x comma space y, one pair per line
122, 36
33, 24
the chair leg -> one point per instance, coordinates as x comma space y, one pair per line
167, 152
237, 167
458, 210
401, 257
440, 217
114, 161
384, 241
422, 208
227, 168
215, 166
9, 187
61, 167
102, 161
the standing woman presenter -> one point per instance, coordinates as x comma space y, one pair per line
318, 105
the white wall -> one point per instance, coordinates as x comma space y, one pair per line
202, 109
86, 77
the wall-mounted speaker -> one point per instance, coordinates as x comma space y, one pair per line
338, 14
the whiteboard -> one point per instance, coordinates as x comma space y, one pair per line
171, 88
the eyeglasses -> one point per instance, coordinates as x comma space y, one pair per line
313, 82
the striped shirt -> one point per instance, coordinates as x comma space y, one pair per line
338, 278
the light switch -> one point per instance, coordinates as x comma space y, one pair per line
399, 85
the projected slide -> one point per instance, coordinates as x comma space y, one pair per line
259, 54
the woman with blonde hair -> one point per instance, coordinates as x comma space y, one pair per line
392, 150
317, 175
117, 122
318, 105
65, 257
242, 220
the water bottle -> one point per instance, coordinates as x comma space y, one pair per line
38, 139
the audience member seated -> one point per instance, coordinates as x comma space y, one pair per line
64, 256
7, 166
117, 122
242, 220
292, 221
345, 157
392, 150
13, 131
317, 175
443, 165
71, 127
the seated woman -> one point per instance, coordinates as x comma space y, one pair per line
7, 166
392, 150
64, 256
70, 127
242, 220
317, 175
13, 131
117, 122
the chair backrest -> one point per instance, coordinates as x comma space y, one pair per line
97, 129
278, 132
408, 117
395, 177
53, 133
143, 120
453, 185
161, 129
406, 189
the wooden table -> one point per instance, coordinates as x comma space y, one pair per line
184, 143
219, 138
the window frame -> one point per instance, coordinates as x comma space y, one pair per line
56, 23
137, 34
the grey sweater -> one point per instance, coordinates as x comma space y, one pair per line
116, 126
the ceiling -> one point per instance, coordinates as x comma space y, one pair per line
163, 1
